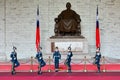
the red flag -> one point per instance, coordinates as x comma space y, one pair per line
37, 30
97, 31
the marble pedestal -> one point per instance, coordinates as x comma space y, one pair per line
78, 44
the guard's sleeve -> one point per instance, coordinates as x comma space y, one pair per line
59, 55
53, 55
36, 56
11, 55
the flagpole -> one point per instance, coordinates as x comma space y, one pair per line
37, 30
39, 24
97, 31
5, 25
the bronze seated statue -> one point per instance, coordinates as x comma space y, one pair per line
67, 23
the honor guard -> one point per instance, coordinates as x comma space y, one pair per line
14, 60
41, 62
68, 59
56, 57
97, 59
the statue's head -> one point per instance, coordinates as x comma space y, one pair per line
68, 5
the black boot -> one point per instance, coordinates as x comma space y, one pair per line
13, 72
56, 70
69, 70
39, 72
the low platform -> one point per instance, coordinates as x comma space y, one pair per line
60, 76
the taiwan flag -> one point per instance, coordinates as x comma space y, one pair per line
37, 30
97, 31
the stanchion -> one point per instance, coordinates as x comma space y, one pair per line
103, 60
31, 66
49, 60
85, 69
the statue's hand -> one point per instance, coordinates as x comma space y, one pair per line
78, 21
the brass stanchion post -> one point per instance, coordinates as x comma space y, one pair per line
49, 60
104, 70
85, 69
31, 66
